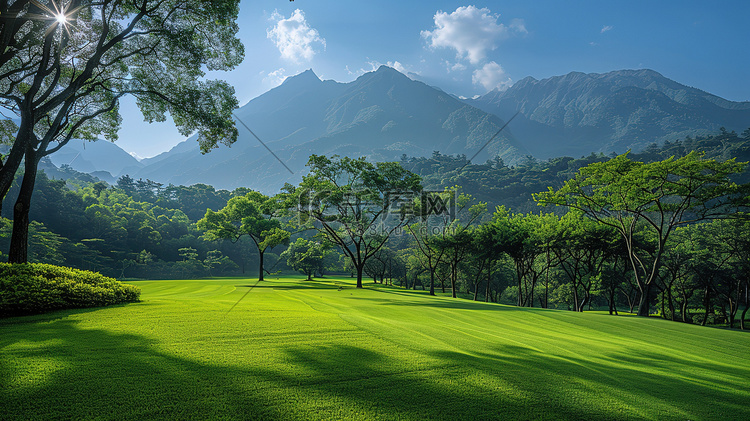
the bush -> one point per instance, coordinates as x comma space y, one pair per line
37, 288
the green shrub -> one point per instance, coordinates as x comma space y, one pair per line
38, 288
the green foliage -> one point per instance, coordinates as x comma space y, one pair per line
349, 201
305, 256
38, 288
253, 215
661, 195
497, 184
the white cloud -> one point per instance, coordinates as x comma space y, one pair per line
491, 76
606, 28
405, 69
275, 78
294, 38
471, 32
519, 25
454, 67
374, 65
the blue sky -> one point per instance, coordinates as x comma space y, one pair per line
469, 48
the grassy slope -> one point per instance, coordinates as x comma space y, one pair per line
322, 349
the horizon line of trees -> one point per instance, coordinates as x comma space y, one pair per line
550, 259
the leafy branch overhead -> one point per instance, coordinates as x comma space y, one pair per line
64, 68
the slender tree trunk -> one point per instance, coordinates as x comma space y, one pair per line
575, 295
671, 302
706, 304
683, 310
489, 277
531, 294
454, 274
519, 275
260, 266
432, 282
19, 241
546, 282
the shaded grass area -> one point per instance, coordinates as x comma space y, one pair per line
320, 350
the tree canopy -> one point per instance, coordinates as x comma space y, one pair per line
660, 195
352, 202
65, 67
252, 215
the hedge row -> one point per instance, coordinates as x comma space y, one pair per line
37, 288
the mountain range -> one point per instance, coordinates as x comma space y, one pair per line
385, 114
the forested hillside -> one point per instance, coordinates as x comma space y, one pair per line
512, 185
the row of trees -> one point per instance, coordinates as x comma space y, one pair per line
618, 240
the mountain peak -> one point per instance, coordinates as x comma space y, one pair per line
386, 69
308, 76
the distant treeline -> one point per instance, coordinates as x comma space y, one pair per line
143, 229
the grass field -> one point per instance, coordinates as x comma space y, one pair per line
295, 349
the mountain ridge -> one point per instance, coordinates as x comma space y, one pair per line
578, 113
384, 114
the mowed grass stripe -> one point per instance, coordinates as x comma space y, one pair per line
295, 349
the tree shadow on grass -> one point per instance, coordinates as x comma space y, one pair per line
443, 304
638, 385
62, 371
302, 284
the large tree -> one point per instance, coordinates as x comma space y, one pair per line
355, 204
67, 64
659, 196
253, 215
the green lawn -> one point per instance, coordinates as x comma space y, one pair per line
307, 350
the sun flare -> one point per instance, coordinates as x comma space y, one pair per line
61, 18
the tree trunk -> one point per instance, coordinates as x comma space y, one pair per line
260, 269
489, 277
359, 275
432, 282
19, 241
706, 303
683, 310
671, 301
10, 166
575, 294
519, 275
644, 305
453, 281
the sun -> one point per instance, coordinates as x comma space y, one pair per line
61, 18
